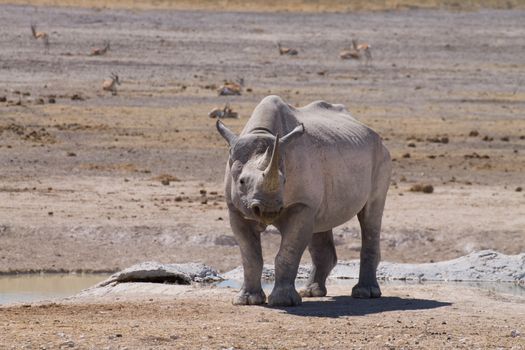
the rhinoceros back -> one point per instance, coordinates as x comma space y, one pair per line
326, 124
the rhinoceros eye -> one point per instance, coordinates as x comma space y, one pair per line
241, 181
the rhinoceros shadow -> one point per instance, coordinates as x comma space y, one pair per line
339, 306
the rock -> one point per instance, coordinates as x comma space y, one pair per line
473, 133
481, 266
155, 272
438, 139
514, 333
165, 179
268, 273
518, 189
77, 97
67, 344
225, 240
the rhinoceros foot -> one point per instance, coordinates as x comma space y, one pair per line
246, 298
313, 290
366, 292
284, 296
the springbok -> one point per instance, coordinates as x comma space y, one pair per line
226, 112
100, 51
40, 35
111, 84
230, 88
355, 51
366, 48
287, 50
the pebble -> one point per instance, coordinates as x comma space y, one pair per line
67, 344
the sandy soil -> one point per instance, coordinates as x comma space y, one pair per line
421, 317
80, 179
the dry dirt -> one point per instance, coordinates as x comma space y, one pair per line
81, 179
419, 317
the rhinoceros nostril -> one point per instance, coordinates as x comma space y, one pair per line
256, 210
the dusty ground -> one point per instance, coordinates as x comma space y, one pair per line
80, 186
421, 317
80, 179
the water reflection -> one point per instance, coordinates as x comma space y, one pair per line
32, 287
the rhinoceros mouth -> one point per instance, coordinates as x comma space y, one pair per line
268, 217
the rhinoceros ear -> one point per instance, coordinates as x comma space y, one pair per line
292, 135
228, 135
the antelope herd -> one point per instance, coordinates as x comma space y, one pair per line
229, 88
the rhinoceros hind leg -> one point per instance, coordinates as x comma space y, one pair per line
366, 292
284, 296
246, 298
370, 221
324, 258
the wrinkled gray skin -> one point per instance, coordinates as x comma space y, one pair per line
326, 168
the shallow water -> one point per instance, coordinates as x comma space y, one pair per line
35, 287
38, 287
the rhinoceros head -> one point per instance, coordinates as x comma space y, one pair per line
257, 172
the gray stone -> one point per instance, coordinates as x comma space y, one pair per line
155, 272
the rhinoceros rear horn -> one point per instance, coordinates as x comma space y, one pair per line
228, 135
271, 173
292, 135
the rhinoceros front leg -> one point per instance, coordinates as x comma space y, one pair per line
296, 230
324, 258
248, 236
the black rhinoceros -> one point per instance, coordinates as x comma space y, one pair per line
305, 171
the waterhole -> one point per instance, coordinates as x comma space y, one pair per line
35, 287
38, 287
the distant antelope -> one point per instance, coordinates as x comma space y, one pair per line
40, 35
100, 51
111, 84
365, 47
231, 88
287, 50
226, 112
355, 51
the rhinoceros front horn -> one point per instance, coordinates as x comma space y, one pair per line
228, 135
271, 173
